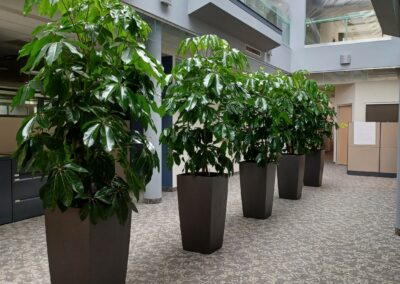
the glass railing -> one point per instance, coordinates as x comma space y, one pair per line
268, 10
355, 26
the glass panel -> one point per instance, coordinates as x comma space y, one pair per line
341, 20
19, 111
274, 11
3, 110
29, 108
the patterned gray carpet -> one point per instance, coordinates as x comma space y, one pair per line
340, 233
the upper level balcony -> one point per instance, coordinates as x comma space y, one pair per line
257, 23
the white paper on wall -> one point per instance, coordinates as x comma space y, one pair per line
364, 133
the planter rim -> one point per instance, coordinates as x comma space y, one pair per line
293, 154
315, 151
212, 175
254, 162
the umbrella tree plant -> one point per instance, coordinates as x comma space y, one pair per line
94, 73
259, 142
322, 125
259, 122
323, 122
202, 97
203, 94
299, 108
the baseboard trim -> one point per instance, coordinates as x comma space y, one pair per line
152, 201
169, 189
371, 174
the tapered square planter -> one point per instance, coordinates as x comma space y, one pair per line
257, 189
202, 210
290, 176
314, 168
82, 253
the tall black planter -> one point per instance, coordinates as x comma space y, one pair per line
314, 169
80, 252
257, 189
290, 176
202, 210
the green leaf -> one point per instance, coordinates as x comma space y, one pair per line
208, 80
108, 139
53, 52
218, 84
90, 135
72, 49
25, 93
127, 55
26, 129
76, 168
109, 89
104, 196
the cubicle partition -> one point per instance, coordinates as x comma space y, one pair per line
19, 191
372, 149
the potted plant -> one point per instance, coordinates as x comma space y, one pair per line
202, 87
259, 143
91, 67
298, 109
323, 123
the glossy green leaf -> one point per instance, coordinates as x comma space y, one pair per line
53, 52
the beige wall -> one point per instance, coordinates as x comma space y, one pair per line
360, 94
330, 31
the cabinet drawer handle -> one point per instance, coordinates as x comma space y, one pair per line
26, 179
26, 199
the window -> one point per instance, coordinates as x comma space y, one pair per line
341, 20
274, 11
21, 111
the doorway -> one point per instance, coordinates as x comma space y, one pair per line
167, 121
344, 118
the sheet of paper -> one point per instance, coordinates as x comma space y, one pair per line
365, 133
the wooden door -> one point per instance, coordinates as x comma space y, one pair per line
344, 118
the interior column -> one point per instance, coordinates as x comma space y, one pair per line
153, 192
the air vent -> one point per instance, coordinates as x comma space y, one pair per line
253, 51
166, 2
345, 59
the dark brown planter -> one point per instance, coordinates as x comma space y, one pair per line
314, 169
202, 210
82, 253
257, 189
290, 176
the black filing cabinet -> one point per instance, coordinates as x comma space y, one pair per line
5, 190
19, 193
25, 195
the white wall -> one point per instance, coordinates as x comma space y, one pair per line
374, 92
371, 54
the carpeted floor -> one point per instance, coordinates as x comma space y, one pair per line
339, 233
